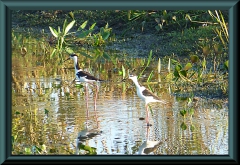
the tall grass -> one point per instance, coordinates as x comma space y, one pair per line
223, 31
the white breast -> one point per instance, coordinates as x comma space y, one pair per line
139, 93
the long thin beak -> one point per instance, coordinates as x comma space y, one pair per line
66, 59
124, 80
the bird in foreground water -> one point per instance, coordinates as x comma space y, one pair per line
84, 76
146, 95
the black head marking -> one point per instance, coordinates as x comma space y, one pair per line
72, 55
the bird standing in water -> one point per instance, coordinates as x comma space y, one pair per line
146, 95
85, 77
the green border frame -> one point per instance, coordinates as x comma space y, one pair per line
5, 68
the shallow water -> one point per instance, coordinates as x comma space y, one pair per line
46, 111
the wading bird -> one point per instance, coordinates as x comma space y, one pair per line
146, 95
85, 77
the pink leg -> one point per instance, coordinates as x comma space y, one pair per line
87, 98
95, 99
147, 117
147, 136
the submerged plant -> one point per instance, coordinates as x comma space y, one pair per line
181, 72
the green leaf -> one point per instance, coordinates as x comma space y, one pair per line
38, 149
194, 58
176, 74
92, 27
187, 17
106, 56
69, 26
191, 111
105, 33
84, 24
164, 12
46, 111
183, 126
192, 127
183, 73
178, 67
174, 62
54, 32
17, 113
226, 64
64, 25
71, 15
183, 112
188, 66
84, 33
120, 73
87, 148
27, 150
79, 86
106, 26
43, 147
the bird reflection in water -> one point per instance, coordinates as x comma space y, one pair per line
148, 146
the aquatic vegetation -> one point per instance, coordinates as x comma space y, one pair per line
184, 60
60, 36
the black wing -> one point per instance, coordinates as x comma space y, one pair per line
87, 76
147, 92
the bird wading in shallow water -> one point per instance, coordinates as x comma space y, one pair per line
146, 95
85, 77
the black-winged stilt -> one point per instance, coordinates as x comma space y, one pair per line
85, 77
146, 95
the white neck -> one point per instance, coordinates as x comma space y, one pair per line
136, 82
76, 65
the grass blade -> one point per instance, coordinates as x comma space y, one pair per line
149, 58
150, 76
159, 66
